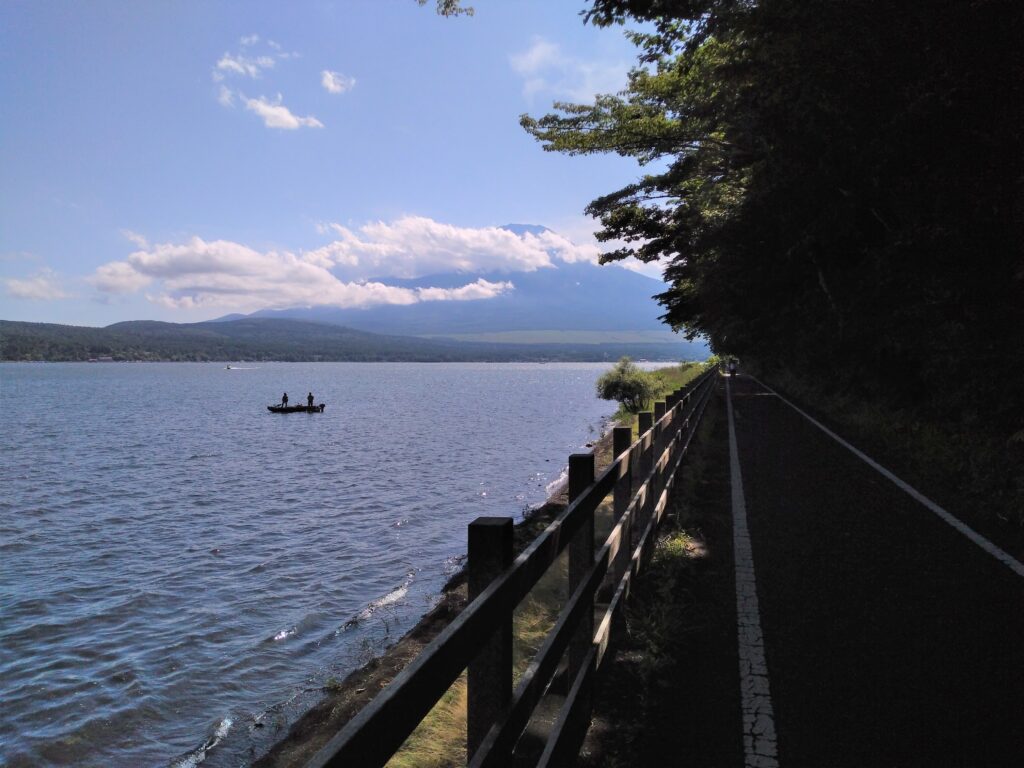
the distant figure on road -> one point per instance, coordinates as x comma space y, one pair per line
732, 367
284, 400
309, 399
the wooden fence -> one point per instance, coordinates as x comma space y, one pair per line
480, 637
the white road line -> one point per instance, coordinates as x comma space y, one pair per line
760, 749
1005, 558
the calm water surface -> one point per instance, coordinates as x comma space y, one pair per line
181, 570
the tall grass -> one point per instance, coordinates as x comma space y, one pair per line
439, 741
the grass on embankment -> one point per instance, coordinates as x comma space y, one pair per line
665, 380
978, 475
440, 739
660, 696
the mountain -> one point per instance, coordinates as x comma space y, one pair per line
569, 297
578, 296
568, 311
288, 340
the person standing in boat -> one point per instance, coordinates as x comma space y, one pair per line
284, 400
309, 399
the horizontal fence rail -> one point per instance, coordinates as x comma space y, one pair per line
479, 638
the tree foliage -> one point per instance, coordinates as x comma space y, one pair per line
450, 7
835, 185
626, 384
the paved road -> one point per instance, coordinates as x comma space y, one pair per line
889, 638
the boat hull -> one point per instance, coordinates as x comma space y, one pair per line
296, 408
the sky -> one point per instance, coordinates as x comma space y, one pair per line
181, 160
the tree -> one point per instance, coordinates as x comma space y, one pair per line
836, 189
450, 8
626, 384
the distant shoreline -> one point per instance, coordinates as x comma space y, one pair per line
263, 340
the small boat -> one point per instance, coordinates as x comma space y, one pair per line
296, 408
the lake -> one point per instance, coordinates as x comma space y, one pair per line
180, 568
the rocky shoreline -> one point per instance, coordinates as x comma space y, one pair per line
344, 700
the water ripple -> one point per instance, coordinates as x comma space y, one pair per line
174, 560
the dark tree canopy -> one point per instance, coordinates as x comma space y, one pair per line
837, 186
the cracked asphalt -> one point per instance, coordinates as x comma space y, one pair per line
890, 638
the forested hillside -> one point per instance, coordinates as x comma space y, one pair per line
840, 189
290, 340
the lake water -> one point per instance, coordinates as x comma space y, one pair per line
180, 568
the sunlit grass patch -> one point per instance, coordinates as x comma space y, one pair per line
439, 741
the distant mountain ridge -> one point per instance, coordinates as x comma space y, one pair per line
569, 311
578, 296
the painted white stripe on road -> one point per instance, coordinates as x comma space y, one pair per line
1004, 557
760, 749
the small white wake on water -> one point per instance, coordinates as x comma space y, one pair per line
194, 758
556, 485
391, 598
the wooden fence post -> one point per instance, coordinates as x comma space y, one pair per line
489, 677
659, 410
581, 560
622, 438
671, 402
646, 420
659, 432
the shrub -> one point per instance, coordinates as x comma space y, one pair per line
626, 384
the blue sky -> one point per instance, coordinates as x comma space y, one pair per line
180, 160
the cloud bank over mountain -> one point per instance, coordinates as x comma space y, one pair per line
357, 269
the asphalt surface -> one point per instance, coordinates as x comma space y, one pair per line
890, 639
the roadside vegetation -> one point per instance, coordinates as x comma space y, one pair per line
838, 194
637, 390
958, 460
440, 739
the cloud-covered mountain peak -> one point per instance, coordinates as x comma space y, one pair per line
526, 229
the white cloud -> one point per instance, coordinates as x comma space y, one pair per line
347, 272
118, 277
226, 275
248, 40
542, 54
277, 115
581, 230
226, 97
336, 82
547, 70
42, 286
653, 269
481, 289
565, 249
244, 65
135, 238
414, 246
